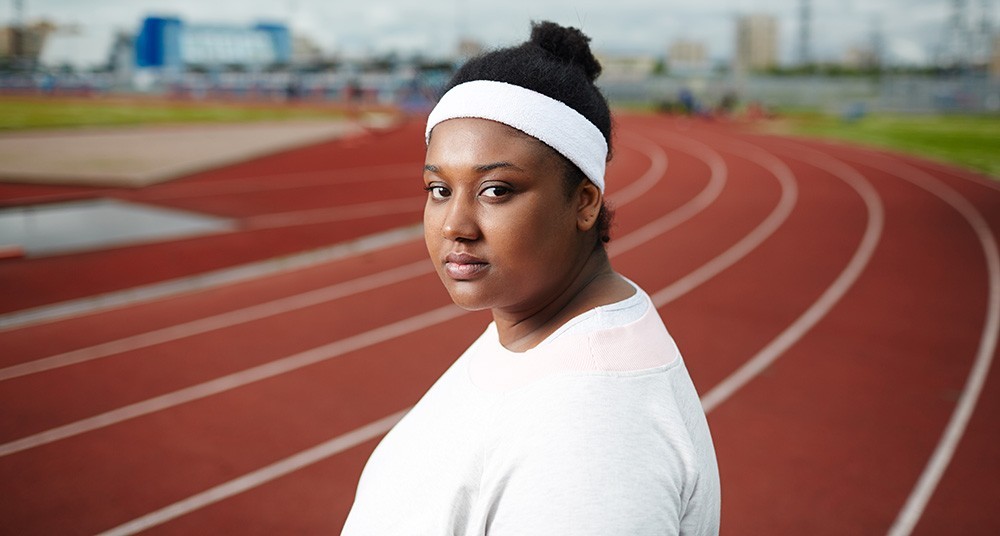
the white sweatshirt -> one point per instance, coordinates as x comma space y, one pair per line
596, 431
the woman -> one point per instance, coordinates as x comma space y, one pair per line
573, 413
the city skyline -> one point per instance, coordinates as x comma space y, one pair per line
630, 26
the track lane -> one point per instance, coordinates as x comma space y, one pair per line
938, 463
283, 495
828, 440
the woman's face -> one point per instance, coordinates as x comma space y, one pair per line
498, 224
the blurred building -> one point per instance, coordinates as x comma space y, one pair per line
756, 42
469, 48
860, 57
616, 68
305, 51
687, 57
170, 43
994, 66
24, 44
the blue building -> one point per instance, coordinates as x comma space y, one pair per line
169, 42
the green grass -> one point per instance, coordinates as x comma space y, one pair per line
969, 141
20, 114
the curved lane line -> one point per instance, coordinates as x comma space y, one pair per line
694, 206
284, 181
915, 504
869, 240
256, 478
295, 218
763, 231
649, 178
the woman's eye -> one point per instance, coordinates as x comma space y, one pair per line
438, 192
496, 191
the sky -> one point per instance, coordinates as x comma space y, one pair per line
911, 29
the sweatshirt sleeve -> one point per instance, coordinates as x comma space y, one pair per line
606, 456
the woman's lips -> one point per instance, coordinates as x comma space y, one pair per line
464, 267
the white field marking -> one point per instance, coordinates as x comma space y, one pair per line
220, 321
237, 379
317, 453
290, 303
763, 231
218, 278
915, 504
241, 378
286, 181
330, 214
844, 281
694, 206
256, 478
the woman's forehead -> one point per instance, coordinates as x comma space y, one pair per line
473, 142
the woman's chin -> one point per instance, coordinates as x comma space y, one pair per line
470, 299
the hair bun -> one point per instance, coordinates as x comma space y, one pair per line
568, 44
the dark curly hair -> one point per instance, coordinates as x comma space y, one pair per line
558, 63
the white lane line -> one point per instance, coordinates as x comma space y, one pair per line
259, 477
285, 181
794, 332
218, 278
244, 377
921, 494
237, 379
750, 242
704, 198
220, 321
295, 218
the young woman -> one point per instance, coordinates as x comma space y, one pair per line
573, 413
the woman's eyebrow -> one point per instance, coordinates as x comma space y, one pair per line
483, 168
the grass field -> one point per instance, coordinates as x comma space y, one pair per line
969, 141
33, 113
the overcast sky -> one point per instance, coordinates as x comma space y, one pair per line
911, 28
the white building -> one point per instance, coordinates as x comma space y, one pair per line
756, 42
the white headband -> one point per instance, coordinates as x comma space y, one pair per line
539, 116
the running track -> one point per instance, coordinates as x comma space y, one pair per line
838, 309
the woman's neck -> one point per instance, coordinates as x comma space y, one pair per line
595, 284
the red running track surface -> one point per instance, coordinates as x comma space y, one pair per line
837, 308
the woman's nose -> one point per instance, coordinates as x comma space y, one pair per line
460, 221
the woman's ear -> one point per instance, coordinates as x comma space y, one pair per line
589, 199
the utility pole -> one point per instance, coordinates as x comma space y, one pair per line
805, 21
956, 43
984, 34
